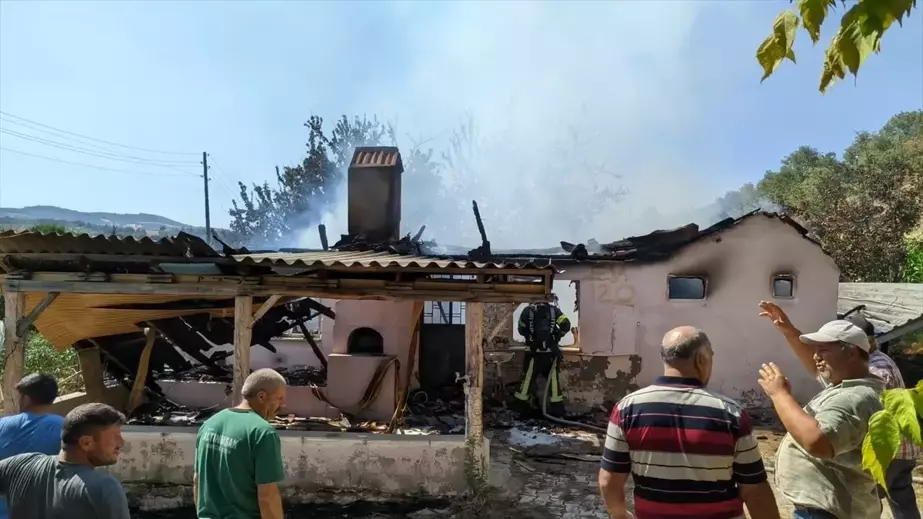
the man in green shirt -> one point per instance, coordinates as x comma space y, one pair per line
819, 462
238, 459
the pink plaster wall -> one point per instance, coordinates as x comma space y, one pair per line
624, 309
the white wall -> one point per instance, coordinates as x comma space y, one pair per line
625, 310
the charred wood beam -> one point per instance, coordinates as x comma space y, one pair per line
322, 231
317, 351
23, 324
265, 307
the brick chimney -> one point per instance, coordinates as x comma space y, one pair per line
374, 193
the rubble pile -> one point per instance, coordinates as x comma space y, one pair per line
298, 375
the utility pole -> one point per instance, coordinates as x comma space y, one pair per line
208, 220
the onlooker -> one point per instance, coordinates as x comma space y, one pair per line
819, 463
690, 451
238, 459
65, 486
36, 428
900, 495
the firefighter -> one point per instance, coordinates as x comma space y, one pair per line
542, 325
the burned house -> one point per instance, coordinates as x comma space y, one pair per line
174, 324
629, 293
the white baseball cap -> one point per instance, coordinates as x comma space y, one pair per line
838, 331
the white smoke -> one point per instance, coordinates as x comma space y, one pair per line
564, 97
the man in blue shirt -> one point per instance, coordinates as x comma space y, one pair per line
36, 428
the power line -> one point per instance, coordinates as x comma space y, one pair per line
107, 151
68, 147
92, 166
97, 140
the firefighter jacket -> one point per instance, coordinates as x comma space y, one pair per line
543, 325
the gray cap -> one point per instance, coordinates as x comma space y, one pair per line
838, 331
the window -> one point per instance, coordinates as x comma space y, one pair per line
365, 341
686, 287
568, 293
783, 286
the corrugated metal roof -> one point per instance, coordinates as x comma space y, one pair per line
29, 242
887, 305
330, 259
376, 157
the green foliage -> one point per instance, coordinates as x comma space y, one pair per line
48, 229
898, 420
42, 357
880, 445
270, 216
859, 35
857, 204
913, 265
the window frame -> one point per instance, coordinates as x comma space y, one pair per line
772, 285
704, 279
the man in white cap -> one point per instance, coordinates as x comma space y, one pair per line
819, 462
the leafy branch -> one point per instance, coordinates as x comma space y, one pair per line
899, 419
859, 35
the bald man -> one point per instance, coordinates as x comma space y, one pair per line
690, 452
238, 458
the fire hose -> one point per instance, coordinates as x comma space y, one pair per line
562, 421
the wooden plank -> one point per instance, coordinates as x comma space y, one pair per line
476, 454
334, 289
144, 363
267, 305
243, 323
22, 327
404, 388
14, 351
91, 369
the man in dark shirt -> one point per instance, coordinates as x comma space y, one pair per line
66, 486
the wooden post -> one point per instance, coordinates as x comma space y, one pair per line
243, 329
137, 388
476, 456
14, 350
91, 369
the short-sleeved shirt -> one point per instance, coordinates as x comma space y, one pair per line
686, 448
39, 485
837, 485
236, 450
28, 432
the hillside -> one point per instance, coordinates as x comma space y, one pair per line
44, 213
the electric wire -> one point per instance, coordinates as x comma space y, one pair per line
161, 174
76, 149
102, 149
148, 150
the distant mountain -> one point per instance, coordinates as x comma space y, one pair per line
47, 213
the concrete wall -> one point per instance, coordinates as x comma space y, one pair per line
624, 313
314, 462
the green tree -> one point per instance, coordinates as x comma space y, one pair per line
859, 35
42, 357
269, 216
860, 206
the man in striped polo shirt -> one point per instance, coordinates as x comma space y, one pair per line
690, 452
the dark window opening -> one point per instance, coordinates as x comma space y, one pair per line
686, 287
365, 341
783, 286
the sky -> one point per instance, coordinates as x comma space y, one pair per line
667, 94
